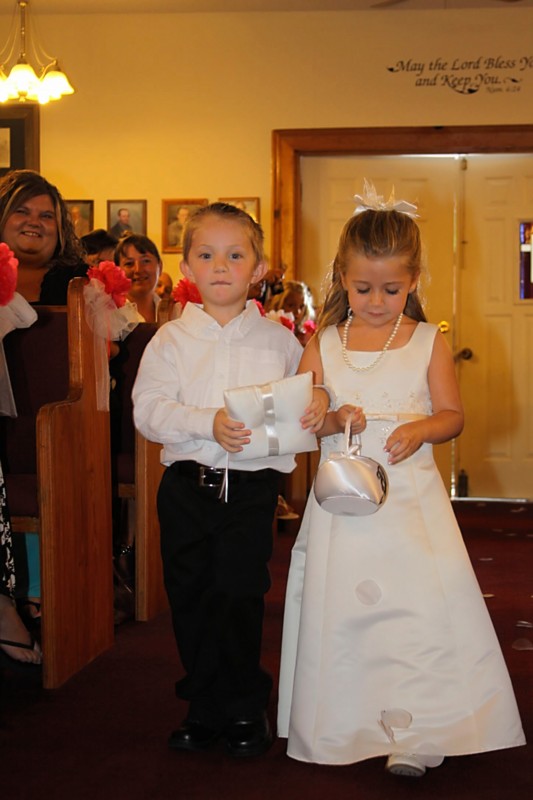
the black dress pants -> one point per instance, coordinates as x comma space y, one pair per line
215, 562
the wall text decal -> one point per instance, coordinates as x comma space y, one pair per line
468, 76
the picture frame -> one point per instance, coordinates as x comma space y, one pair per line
249, 204
81, 215
126, 216
19, 137
174, 216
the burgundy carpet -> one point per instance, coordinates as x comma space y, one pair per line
103, 734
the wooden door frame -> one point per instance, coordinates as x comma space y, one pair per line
288, 146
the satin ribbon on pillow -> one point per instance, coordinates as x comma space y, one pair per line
272, 412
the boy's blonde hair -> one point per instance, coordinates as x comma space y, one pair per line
374, 234
229, 212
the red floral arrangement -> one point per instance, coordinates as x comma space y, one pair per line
8, 274
289, 323
184, 292
309, 327
114, 280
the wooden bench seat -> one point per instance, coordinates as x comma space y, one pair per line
56, 463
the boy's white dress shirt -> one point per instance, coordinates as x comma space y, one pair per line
187, 366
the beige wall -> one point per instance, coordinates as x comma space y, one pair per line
225, 81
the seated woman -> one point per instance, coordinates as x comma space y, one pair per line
139, 258
16, 641
35, 224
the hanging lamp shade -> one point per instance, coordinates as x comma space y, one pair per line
4, 88
21, 82
55, 83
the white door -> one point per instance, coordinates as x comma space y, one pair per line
496, 449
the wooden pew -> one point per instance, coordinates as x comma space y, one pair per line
137, 473
150, 596
56, 461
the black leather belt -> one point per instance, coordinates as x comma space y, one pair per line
211, 477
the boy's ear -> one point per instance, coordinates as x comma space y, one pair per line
186, 271
259, 272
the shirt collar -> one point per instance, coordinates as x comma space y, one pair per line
199, 322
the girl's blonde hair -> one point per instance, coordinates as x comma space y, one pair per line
298, 287
225, 211
374, 234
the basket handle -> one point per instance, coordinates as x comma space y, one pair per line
352, 444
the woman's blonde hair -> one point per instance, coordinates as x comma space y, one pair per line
374, 234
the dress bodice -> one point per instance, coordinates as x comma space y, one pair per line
397, 385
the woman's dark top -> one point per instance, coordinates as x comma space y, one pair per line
55, 284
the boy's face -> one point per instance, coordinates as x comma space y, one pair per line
223, 264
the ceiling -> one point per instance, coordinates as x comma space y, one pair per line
166, 6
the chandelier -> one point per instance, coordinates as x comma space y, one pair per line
21, 83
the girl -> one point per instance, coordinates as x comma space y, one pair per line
388, 648
297, 300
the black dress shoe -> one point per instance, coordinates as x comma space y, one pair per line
249, 737
193, 735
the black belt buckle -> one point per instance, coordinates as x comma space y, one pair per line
207, 474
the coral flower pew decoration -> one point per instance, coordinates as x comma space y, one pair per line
114, 281
15, 312
184, 292
110, 316
285, 318
8, 274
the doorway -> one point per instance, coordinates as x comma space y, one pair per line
497, 457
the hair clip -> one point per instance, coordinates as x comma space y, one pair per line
370, 200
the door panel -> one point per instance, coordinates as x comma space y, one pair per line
496, 449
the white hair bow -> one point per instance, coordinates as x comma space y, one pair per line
371, 200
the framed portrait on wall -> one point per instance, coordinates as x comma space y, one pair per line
175, 214
126, 216
248, 204
82, 216
19, 137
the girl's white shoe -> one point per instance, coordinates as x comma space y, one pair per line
405, 764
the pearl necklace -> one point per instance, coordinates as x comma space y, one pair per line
378, 358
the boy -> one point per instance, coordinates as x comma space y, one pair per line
215, 553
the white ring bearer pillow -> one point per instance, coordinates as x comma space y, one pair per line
273, 412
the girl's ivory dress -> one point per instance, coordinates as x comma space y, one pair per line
387, 643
